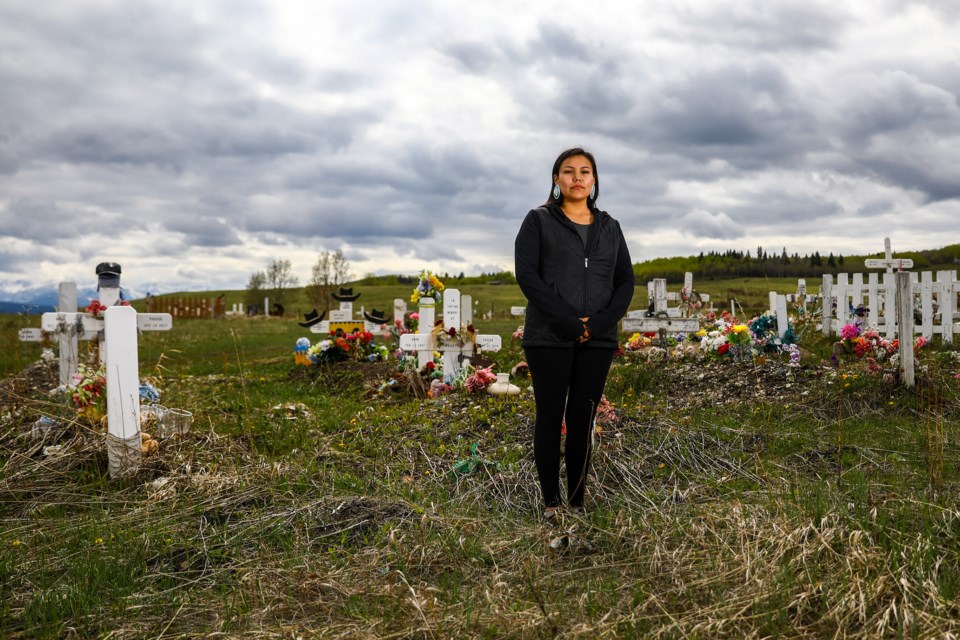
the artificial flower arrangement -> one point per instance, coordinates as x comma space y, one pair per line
766, 335
480, 380
638, 341
357, 346
409, 324
730, 337
868, 343
452, 336
409, 362
88, 390
690, 299
97, 310
518, 334
429, 286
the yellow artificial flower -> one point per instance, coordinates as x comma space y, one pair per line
739, 328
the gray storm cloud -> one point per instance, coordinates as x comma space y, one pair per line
225, 134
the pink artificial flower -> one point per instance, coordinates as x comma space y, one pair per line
849, 332
480, 380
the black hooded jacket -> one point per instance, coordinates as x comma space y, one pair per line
564, 280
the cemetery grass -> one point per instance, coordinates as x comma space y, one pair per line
726, 501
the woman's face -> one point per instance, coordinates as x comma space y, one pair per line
576, 178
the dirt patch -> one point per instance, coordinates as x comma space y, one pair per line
345, 375
717, 383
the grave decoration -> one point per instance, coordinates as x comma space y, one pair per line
743, 341
867, 344
341, 321
312, 318
300, 352
116, 333
658, 318
428, 286
691, 301
725, 337
346, 338
66, 335
88, 392
445, 353
452, 336
358, 346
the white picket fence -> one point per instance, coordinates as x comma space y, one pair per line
933, 300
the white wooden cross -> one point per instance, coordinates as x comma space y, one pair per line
665, 320
343, 314
117, 332
67, 301
888, 262
399, 311
640, 324
801, 296
673, 296
457, 312
778, 305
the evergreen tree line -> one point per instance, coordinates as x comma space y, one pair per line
734, 263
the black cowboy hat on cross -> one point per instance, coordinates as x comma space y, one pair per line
346, 295
375, 317
312, 318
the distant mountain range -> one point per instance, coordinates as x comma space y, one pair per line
25, 307
44, 299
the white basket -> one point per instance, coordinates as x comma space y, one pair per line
123, 455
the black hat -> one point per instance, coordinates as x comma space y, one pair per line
108, 268
345, 295
312, 318
374, 316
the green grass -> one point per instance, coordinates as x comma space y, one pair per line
828, 512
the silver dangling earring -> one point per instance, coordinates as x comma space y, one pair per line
593, 192
556, 192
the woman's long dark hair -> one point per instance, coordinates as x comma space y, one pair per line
569, 153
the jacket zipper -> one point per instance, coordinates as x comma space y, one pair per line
586, 266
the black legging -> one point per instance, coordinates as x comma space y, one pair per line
565, 380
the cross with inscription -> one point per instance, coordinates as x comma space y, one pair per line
117, 333
457, 314
888, 262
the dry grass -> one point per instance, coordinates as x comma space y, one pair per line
727, 522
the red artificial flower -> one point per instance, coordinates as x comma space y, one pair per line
451, 332
650, 334
722, 349
431, 366
470, 329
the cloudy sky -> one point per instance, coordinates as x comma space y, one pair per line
193, 142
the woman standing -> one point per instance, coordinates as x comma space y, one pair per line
573, 265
